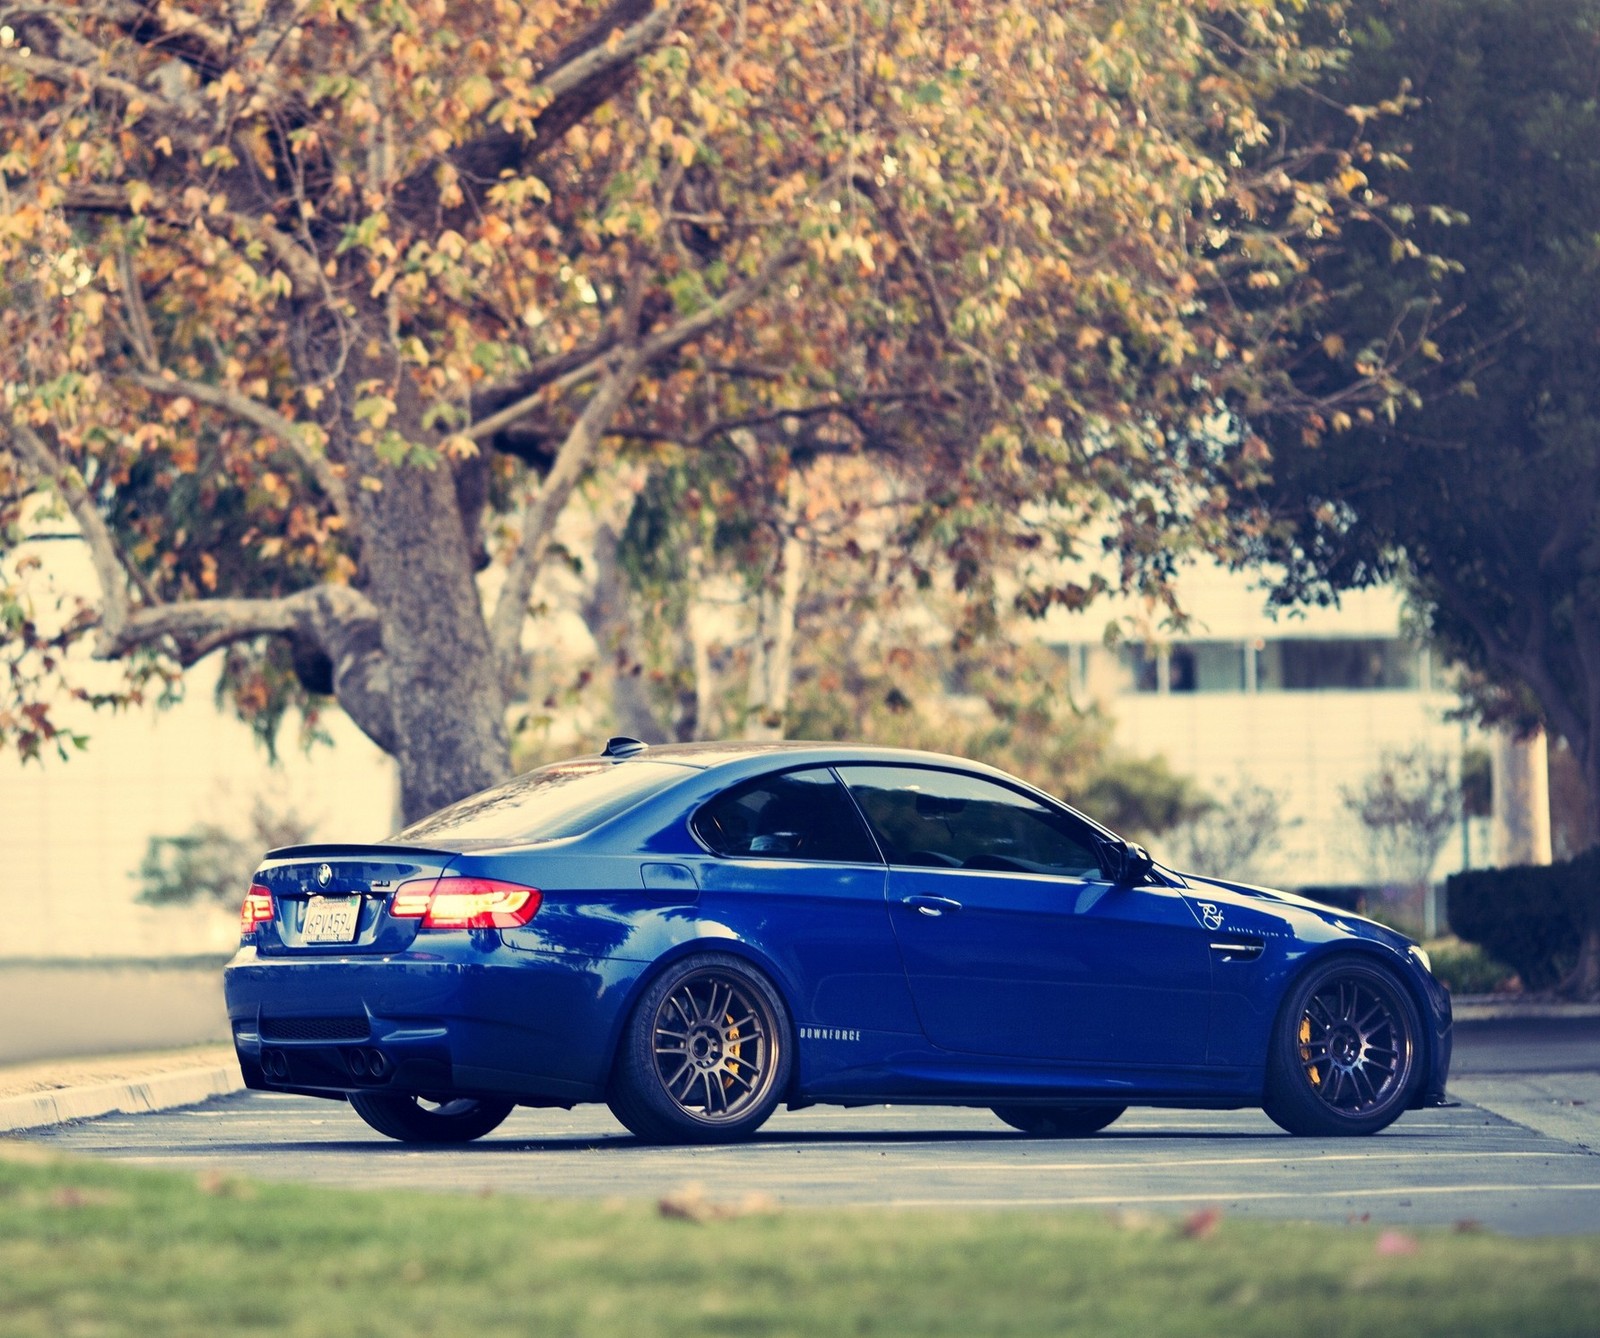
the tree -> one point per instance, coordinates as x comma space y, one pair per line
1483, 491
311, 313
211, 862
1231, 834
1408, 808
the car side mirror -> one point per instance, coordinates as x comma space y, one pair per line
1136, 866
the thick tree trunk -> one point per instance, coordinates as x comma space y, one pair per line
447, 705
608, 612
772, 647
1584, 980
448, 709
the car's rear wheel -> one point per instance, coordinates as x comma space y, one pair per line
1058, 1121
1344, 1052
416, 1119
705, 1055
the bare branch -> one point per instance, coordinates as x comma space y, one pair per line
919, 262
109, 569
582, 77
290, 433
657, 346
849, 410
622, 371
336, 620
139, 329
620, 47
69, 75
298, 264
221, 622
891, 215
538, 516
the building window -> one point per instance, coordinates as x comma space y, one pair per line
1354, 665
1289, 665
1195, 666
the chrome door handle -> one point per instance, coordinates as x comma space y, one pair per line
932, 906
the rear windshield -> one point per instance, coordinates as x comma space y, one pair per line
566, 799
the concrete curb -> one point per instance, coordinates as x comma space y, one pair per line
162, 1091
1487, 1008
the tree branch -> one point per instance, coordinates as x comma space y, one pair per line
111, 572
491, 400
140, 332
538, 516
298, 264
1523, 663
581, 77
269, 420
67, 74
336, 620
622, 371
657, 346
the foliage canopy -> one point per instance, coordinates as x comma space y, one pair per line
310, 312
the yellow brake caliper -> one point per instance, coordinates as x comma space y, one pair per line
1305, 1051
733, 1054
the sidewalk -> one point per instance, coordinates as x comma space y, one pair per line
1504, 1007
50, 1092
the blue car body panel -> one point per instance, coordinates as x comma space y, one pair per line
904, 984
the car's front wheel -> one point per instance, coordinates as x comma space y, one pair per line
1058, 1121
705, 1055
415, 1119
1344, 1052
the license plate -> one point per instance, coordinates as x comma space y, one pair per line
331, 920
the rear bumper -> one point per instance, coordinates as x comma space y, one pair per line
462, 1021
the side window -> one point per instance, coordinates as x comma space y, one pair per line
795, 815
945, 819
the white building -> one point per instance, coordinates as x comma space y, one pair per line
1304, 704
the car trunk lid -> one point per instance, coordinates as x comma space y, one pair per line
330, 900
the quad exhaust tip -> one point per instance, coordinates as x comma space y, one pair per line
368, 1063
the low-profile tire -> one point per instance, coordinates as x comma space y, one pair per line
1058, 1121
1345, 1054
414, 1119
705, 1055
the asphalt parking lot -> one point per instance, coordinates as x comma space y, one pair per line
1520, 1155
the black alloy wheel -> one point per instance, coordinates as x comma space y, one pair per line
417, 1119
1058, 1121
705, 1056
1345, 1051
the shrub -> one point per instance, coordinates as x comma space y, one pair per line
1465, 968
1531, 917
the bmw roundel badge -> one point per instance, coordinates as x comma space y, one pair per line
324, 874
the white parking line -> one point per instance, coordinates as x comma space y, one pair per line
1298, 1163
1116, 1200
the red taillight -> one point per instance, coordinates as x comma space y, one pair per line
465, 903
257, 909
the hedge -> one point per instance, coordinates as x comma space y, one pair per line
1531, 917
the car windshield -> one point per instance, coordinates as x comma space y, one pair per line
566, 799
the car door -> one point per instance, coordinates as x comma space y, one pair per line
1014, 939
795, 872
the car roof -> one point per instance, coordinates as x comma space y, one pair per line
705, 756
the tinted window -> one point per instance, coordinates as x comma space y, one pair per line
949, 820
796, 815
566, 799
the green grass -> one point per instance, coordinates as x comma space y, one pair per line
90, 1248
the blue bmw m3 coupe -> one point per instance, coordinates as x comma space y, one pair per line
695, 934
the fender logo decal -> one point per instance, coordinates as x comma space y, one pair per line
1211, 915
